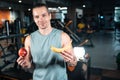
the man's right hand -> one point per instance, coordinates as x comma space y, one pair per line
23, 62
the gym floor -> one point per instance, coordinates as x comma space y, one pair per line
104, 74
106, 46
103, 51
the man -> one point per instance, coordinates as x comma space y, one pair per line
48, 65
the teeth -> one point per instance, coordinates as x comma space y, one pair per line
58, 50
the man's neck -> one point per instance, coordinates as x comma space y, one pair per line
45, 31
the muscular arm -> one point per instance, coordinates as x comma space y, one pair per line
27, 47
68, 55
25, 61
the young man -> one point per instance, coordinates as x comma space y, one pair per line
48, 65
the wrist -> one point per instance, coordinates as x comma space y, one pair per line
72, 62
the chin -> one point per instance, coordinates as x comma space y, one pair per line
43, 27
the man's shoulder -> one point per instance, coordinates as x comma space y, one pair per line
34, 32
57, 30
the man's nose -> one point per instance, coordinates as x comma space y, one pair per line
40, 18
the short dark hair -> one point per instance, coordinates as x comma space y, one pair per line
40, 5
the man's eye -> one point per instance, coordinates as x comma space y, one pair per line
36, 16
43, 15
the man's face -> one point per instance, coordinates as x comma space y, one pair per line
41, 17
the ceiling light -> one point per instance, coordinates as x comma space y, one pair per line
84, 6
10, 8
20, 1
29, 9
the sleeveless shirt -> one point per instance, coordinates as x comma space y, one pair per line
48, 64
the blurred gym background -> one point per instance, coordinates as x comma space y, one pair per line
91, 24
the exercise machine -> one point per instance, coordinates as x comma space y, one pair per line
10, 70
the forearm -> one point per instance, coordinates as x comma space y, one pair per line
28, 61
72, 62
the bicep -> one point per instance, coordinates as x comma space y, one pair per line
27, 46
65, 39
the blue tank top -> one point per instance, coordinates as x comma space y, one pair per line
48, 64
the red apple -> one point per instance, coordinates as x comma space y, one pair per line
22, 52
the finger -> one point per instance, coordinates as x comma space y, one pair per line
20, 62
23, 64
20, 58
66, 59
67, 55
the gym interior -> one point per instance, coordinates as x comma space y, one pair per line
93, 25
